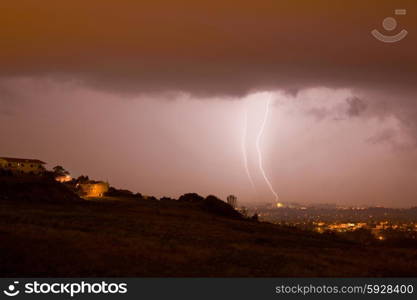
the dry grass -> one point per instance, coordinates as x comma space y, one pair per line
154, 239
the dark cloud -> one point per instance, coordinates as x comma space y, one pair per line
355, 106
208, 47
385, 136
292, 92
398, 104
395, 138
319, 113
338, 111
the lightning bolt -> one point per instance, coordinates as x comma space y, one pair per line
244, 151
258, 149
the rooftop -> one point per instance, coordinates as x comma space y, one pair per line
22, 160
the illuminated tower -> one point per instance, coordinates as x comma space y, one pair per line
232, 201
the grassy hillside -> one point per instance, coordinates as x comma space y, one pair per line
173, 238
35, 189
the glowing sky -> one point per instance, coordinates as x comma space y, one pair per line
152, 95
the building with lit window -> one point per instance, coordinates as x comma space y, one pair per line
21, 166
93, 189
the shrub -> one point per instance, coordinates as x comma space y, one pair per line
216, 206
191, 197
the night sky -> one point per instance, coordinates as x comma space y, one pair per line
165, 97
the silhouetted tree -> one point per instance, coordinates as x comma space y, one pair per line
139, 195
191, 197
219, 207
166, 199
113, 192
83, 179
60, 171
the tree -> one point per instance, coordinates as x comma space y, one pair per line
219, 207
60, 171
82, 179
191, 197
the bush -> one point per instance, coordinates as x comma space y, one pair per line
113, 192
191, 197
216, 206
166, 199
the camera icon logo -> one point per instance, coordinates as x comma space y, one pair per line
389, 24
11, 290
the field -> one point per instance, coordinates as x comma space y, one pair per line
170, 238
47, 231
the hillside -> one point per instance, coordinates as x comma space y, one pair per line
35, 189
134, 237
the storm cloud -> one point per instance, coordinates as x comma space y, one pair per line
91, 85
208, 47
